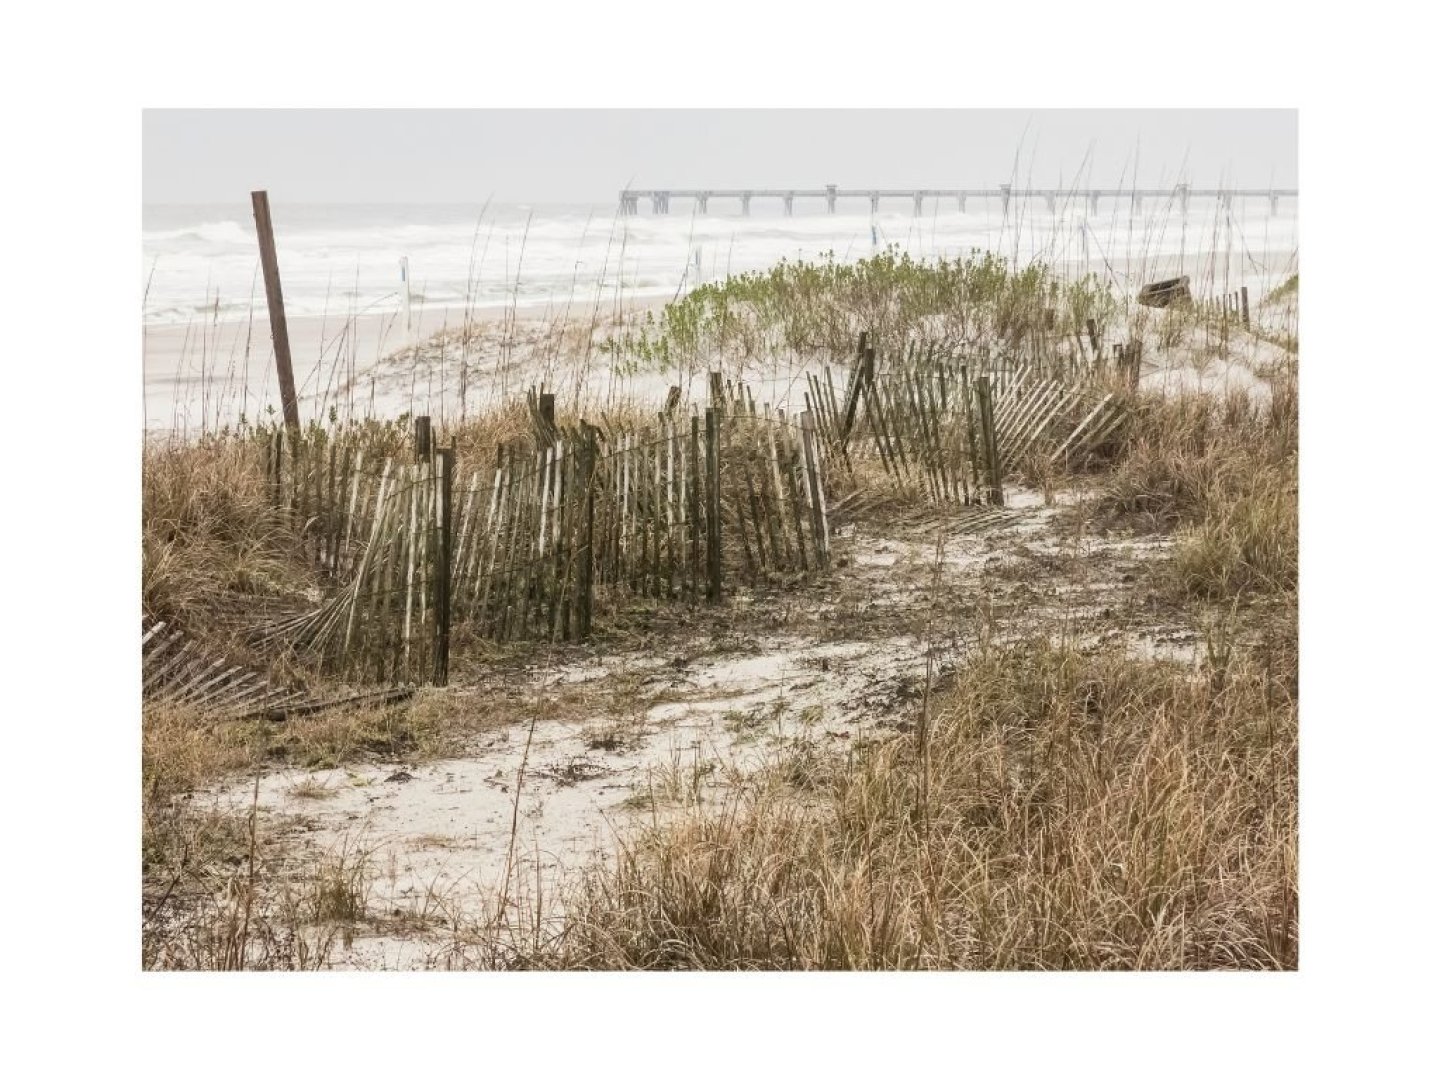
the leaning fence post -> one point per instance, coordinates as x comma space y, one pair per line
863, 369
275, 302
278, 457
712, 498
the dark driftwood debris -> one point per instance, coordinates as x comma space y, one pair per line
1160, 294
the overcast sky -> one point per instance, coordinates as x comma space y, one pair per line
196, 156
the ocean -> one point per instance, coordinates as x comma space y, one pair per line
201, 263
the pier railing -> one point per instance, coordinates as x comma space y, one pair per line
1180, 195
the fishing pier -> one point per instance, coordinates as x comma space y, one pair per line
1181, 195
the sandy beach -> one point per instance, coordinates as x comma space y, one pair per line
200, 377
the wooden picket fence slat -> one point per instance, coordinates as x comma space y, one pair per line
177, 670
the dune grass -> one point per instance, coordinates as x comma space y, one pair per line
208, 529
1223, 473
1063, 812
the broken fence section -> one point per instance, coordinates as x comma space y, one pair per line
952, 428
178, 670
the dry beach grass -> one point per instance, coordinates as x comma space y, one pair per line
1055, 809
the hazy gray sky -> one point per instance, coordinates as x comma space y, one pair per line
587, 156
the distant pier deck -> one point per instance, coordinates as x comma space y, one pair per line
1183, 194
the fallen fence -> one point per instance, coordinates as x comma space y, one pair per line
178, 670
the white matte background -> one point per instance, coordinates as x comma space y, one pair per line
74, 81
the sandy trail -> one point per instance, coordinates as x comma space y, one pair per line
685, 712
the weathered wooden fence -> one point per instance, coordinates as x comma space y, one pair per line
379, 531
952, 427
198, 677
1229, 307
574, 520
567, 521
671, 510
329, 483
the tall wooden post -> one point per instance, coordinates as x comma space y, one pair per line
275, 301
443, 568
970, 429
712, 499
422, 438
694, 508
1245, 304
818, 521
587, 554
986, 406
